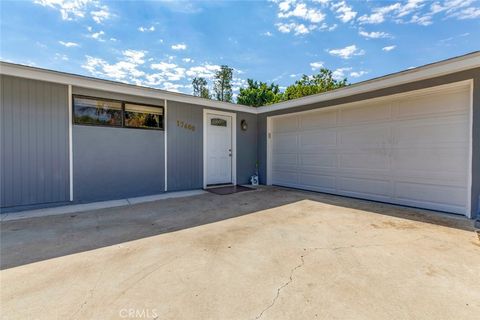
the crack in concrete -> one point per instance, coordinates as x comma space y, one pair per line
279, 289
302, 257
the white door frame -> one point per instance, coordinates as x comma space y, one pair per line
468, 82
234, 142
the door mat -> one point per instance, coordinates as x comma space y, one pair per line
229, 190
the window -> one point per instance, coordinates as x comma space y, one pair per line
97, 112
104, 112
138, 116
218, 122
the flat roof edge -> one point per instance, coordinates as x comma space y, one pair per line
432, 70
34, 73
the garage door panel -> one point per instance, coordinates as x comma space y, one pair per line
318, 119
410, 151
359, 186
285, 124
434, 160
285, 144
367, 113
432, 105
283, 176
287, 159
420, 192
324, 160
376, 159
364, 136
317, 139
318, 180
419, 133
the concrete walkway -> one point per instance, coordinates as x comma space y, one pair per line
76, 208
268, 254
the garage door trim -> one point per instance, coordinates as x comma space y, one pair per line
420, 92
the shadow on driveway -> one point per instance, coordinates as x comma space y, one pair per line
36, 239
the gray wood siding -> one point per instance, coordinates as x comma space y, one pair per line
34, 142
185, 147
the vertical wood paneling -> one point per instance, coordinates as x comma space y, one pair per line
34, 142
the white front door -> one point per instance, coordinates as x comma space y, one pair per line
219, 149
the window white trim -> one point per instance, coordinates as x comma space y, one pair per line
165, 133
70, 140
234, 143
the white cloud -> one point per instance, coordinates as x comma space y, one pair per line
68, 44
347, 52
146, 29
73, 9
101, 14
357, 74
316, 65
60, 56
303, 12
206, 71
187, 60
125, 70
345, 12
339, 74
378, 15
134, 56
468, 13
267, 34
98, 36
179, 46
374, 34
389, 48
296, 28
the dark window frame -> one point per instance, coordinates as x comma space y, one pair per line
122, 102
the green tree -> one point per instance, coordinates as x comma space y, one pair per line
200, 88
308, 85
258, 94
223, 84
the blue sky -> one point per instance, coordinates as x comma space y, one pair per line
164, 44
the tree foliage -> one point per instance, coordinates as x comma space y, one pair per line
223, 84
258, 94
308, 85
200, 88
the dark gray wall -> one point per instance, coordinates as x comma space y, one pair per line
115, 163
246, 147
465, 75
185, 147
34, 142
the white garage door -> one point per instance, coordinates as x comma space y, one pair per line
411, 150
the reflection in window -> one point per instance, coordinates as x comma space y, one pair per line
97, 112
218, 122
138, 116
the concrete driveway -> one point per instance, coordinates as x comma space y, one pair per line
265, 254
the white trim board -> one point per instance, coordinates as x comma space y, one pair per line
165, 134
70, 141
457, 64
234, 143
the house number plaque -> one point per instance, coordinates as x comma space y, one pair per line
184, 125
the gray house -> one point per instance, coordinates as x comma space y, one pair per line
410, 138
